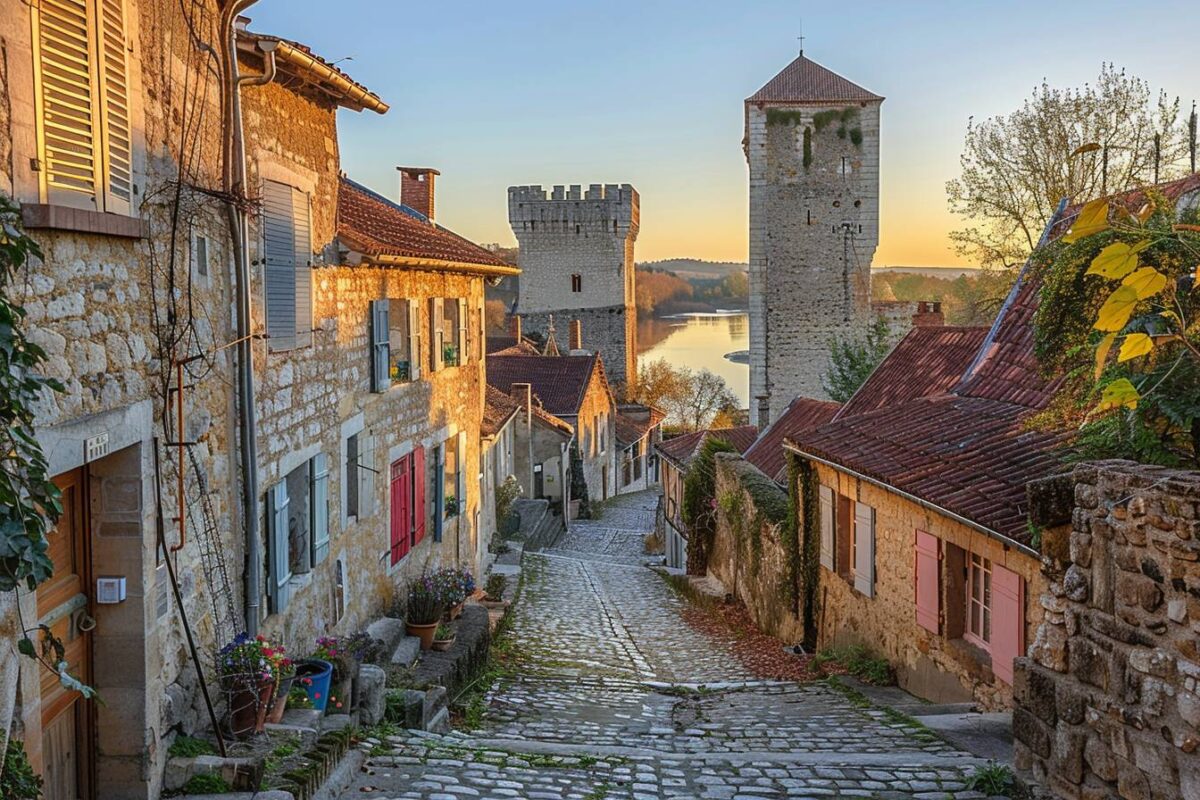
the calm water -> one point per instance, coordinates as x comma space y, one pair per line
700, 341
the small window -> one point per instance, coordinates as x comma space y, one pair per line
352, 476
576, 283
979, 601
200, 257
360, 476
453, 331
339, 591
451, 479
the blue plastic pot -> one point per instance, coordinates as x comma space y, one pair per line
315, 675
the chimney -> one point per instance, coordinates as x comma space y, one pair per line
764, 411
416, 189
929, 315
514, 328
523, 394
576, 335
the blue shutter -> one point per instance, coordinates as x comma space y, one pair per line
319, 497
279, 273
278, 573
303, 261
380, 348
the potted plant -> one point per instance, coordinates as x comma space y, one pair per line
248, 676
453, 586
285, 676
443, 637
314, 676
451, 506
422, 611
494, 590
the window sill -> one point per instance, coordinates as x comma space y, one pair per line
967, 651
44, 216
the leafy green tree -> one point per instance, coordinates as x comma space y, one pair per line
852, 360
699, 508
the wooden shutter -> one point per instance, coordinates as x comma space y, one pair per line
460, 473
414, 339
278, 573
114, 103
366, 475
462, 330
319, 500
66, 102
827, 547
864, 549
1008, 621
301, 224
420, 479
380, 347
439, 492
926, 572
436, 323
401, 495
279, 274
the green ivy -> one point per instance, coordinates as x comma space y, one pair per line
699, 501
802, 477
808, 155
784, 116
18, 781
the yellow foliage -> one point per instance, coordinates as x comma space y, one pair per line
1117, 260
1146, 282
1092, 218
1119, 394
1102, 352
1134, 346
1117, 309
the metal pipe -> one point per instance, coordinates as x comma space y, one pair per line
239, 226
181, 508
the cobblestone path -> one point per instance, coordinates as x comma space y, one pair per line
616, 697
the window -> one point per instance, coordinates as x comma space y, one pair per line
437, 333
985, 605
351, 476
319, 499
407, 494
452, 476
200, 257
360, 476
395, 342
576, 283
979, 601
82, 104
453, 331
287, 275
339, 591
297, 527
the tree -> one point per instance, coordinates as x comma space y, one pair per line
1071, 143
707, 395
853, 359
691, 398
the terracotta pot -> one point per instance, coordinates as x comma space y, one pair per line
279, 705
442, 645
248, 705
423, 632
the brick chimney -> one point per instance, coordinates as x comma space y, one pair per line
514, 328
929, 315
416, 189
523, 394
576, 335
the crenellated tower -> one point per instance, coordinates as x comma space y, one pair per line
812, 145
576, 262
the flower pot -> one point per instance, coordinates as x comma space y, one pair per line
248, 704
279, 704
423, 632
442, 645
315, 676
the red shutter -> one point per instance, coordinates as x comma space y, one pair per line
418, 532
401, 493
925, 574
1008, 621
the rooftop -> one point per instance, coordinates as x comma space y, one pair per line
633, 427
806, 81
558, 382
682, 449
801, 414
498, 409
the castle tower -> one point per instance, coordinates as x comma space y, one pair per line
812, 144
576, 262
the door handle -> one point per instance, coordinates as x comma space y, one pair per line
85, 622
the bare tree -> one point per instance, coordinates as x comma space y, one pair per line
691, 398
1074, 143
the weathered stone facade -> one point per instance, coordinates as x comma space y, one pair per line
814, 227
576, 259
1108, 701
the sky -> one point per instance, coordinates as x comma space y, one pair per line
649, 92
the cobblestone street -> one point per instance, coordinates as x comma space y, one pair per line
616, 697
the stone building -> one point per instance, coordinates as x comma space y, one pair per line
576, 259
367, 346
812, 145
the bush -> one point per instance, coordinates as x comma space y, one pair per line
857, 660
186, 747
496, 584
994, 779
207, 783
18, 781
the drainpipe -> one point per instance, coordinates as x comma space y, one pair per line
239, 228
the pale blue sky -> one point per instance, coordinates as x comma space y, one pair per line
650, 93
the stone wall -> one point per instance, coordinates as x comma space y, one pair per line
610, 331
813, 231
1108, 701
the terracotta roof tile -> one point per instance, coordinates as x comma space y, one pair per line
802, 414
806, 81
631, 428
682, 449
498, 409
372, 224
559, 382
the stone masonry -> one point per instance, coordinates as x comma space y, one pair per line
1108, 701
576, 258
814, 227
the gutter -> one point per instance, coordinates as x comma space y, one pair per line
349, 90
986, 531
446, 266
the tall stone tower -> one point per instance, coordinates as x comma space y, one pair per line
812, 143
576, 263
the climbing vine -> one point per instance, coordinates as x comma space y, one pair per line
802, 477
700, 504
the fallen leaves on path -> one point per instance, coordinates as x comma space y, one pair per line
761, 654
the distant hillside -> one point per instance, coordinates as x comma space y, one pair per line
930, 272
689, 267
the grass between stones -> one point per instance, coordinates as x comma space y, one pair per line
467, 708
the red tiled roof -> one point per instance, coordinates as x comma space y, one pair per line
926, 361
559, 382
509, 346
806, 81
630, 428
682, 449
375, 226
498, 409
802, 414
553, 421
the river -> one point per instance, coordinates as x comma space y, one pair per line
700, 341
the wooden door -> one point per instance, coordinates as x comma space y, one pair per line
67, 729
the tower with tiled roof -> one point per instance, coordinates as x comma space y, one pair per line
812, 145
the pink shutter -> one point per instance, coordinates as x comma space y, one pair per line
1008, 621
418, 495
925, 573
400, 494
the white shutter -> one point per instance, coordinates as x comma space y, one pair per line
864, 546
414, 339
114, 100
436, 314
462, 330
301, 224
827, 523
380, 346
279, 274
66, 100
366, 475
460, 471
278, 571
319, 498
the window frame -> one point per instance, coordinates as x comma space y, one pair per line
981, 635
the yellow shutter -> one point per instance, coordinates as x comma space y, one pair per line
114, 98
66, 100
